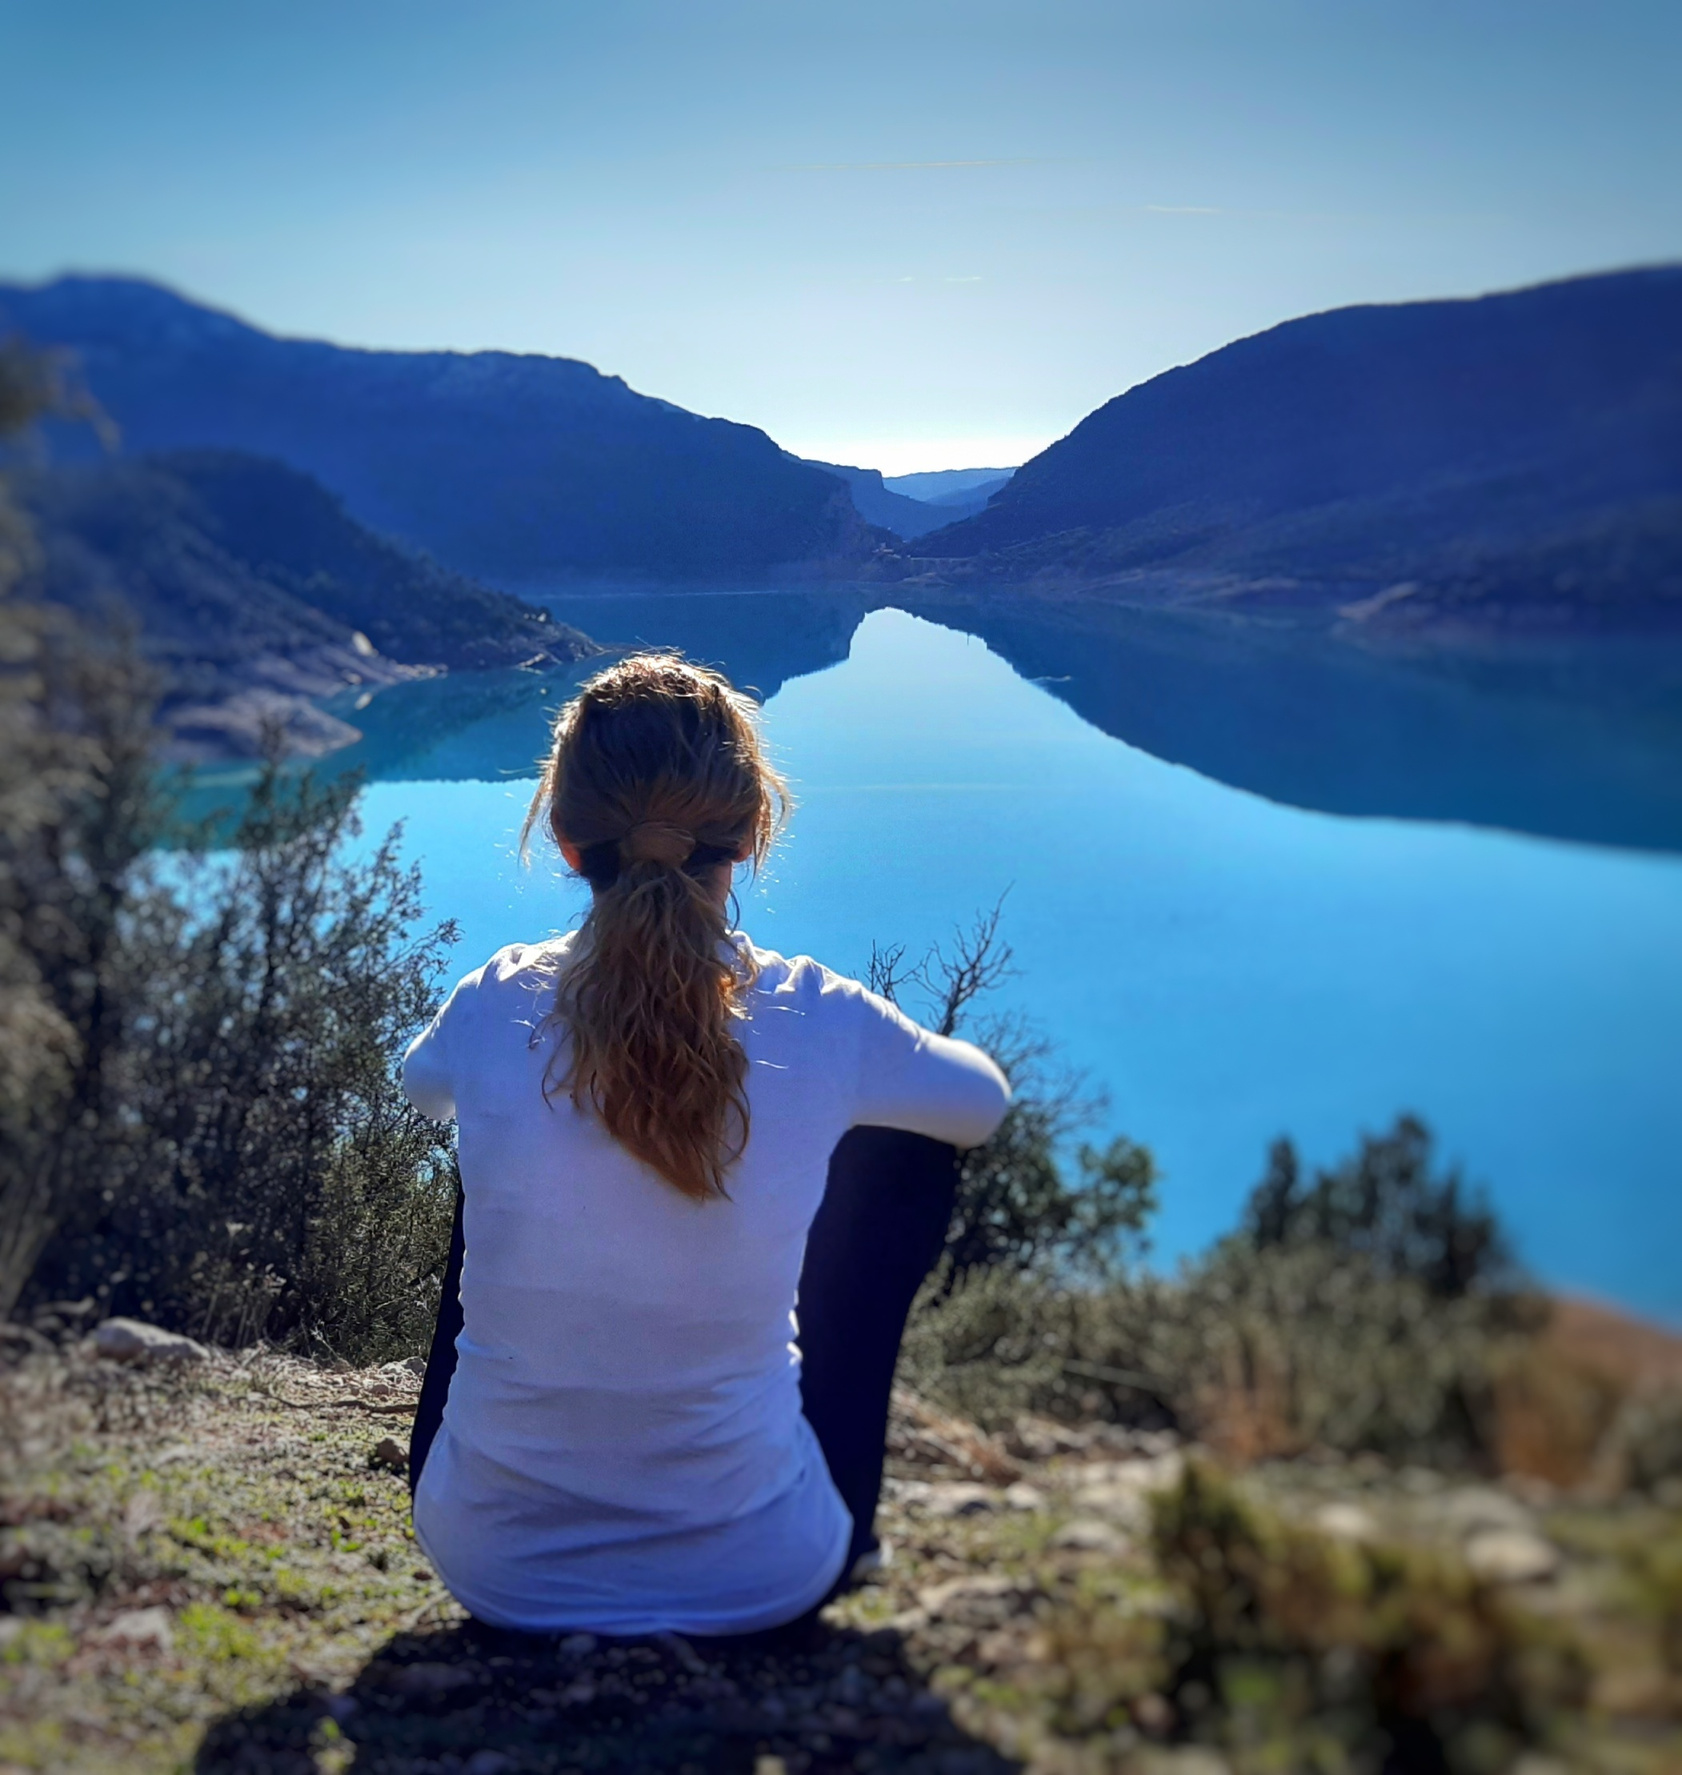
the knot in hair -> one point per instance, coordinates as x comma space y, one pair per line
659, 842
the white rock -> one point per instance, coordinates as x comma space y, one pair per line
1023, 1496
1346, 1522
1087, 1534
979, 1598
1123, 1503
140, 1629
1511, 1556
1473, 1508
1185, 1759
133, 1340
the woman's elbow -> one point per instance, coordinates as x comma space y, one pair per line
990, 1107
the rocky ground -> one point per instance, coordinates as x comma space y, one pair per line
208, 1565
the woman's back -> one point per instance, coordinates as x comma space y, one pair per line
623, 1447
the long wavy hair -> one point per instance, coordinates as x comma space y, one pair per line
658, 779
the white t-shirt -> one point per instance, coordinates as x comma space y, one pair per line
623, 1449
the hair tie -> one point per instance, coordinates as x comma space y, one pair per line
654, 841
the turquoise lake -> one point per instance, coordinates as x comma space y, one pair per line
1226, 968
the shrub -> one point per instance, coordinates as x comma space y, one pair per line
1262, 1347
260, 1174
1384, 1204
1288, 1649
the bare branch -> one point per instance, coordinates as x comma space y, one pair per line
980, 961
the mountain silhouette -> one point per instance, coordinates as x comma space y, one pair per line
1511, 458
255, 594
518, 468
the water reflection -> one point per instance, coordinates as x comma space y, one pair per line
1581, 744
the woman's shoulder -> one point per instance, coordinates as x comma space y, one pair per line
802, 982
517, 968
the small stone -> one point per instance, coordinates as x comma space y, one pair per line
1153, 1715
142, 1513
138, 1629
851, 1686
1086, 1534
133, 1340
1511, 1556
577, 1645
1345, 1522
390, 1454
1471, 1509
1188, 1759
1023, 1496
976, 1602
428, 1680
958, 1497
578, 1694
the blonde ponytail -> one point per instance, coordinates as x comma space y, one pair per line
657, 779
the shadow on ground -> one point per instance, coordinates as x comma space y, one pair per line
474, 1700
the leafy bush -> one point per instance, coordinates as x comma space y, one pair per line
258, 1172
1383, 1204
1264, 1346
1290, 1650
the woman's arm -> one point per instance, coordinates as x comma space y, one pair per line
912, 1079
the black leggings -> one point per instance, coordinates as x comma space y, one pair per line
878, 1232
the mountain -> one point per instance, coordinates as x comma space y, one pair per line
940, 486
878, 504
519, 468
256, 594
1508, 462
954, 492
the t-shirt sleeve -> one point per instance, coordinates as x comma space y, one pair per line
912, 1079
429, 1078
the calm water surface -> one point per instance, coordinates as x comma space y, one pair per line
1227, 968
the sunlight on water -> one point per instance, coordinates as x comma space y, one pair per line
1229, 969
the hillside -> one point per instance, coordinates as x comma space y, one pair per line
877, 503
1509, 461
255, 593
211, 1565
521, 468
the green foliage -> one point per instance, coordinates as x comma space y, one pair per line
1287, 1649
260, 1173
1384, 1204
1260, 1349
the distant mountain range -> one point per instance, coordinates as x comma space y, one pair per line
1510, 464
958, 492
256, 595
515, 468
912, 505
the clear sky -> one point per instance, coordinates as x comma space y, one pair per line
907, 233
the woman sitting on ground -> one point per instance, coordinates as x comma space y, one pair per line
618, 1432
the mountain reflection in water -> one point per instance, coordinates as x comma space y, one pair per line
1579, 743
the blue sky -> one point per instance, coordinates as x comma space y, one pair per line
910, 234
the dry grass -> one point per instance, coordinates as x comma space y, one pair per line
212, 1571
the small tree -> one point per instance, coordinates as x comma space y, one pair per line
269, 1178
1385, 1204
1016, 1208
